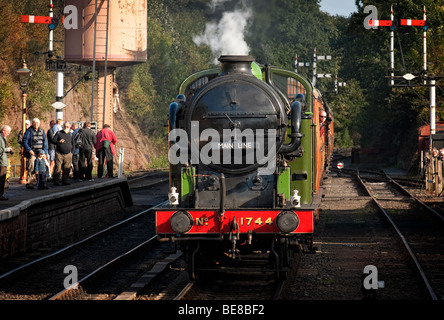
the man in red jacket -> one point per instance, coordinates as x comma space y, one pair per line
105, 149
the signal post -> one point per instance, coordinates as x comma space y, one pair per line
433, 164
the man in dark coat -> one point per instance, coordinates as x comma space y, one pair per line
34, 140
88, 138
64, 149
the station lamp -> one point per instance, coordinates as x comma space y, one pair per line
24, 75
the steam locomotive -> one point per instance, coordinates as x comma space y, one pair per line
248, 150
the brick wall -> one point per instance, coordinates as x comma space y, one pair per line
54, 220
13, 235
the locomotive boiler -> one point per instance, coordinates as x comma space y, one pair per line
247, 152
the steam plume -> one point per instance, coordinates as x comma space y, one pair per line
227, 35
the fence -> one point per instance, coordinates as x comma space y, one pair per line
433, 175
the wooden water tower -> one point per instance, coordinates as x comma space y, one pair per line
110, 34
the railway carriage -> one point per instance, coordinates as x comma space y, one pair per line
247, 156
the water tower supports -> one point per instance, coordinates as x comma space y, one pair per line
111, 34
104, 113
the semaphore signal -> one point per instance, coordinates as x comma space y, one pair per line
318, 75
59, 64
392, 23
427, 80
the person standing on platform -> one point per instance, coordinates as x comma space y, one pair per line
33, 141
88, 140
4, 150
20, 134
75, 156
58, 126
51, 147
63, 158
105, 148
41, 170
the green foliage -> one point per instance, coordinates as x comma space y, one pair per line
343, 139
282, 28
347, 109
5, 95
42, 88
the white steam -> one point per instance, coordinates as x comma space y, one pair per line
226, 37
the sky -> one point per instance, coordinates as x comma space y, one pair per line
338, 7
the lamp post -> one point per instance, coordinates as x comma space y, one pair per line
24, 75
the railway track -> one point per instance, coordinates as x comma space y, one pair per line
225, 284
232, 287
238, 286
419, 228
129, 245
351, 235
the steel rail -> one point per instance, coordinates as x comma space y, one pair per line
67, 291
185, 290
416, 199
404, 241
81, 242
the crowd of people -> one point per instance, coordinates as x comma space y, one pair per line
63, 151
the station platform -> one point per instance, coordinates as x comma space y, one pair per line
33, 217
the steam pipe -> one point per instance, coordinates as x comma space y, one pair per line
174, 108
296, 135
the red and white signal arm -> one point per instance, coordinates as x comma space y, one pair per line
340, 165
411, 22
35, 19
380, 23
41, 19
